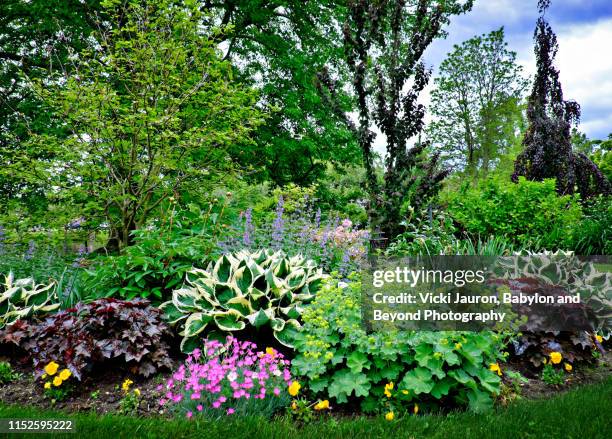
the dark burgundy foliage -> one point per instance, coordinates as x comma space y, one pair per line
384, 42
537, 339
131, 333
547, 143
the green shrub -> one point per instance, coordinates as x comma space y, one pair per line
593, 235
263, 288
528, 213
341, 360
22, 298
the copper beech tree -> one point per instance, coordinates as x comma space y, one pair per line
547, 144
384, 43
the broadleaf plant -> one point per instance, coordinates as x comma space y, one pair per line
262, 288
22, 298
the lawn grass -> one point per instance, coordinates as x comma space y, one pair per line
583, 413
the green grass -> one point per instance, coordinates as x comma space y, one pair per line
583, 413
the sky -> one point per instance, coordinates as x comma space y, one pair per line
584, 33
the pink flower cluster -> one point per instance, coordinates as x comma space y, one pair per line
346, 237
223, 377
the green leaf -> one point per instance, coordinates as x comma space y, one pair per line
418, 380
344, 383
357, 361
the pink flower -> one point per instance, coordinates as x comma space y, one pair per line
189, 414
199, 407
230, 411
162, 401
276, 391
216, 404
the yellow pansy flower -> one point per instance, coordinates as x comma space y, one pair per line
322, 405
568, 367
416, 409
126, 385
51, 368
57, 381
47, 385
294, 388
390, 416
65, 374
555, 357
405, 392
137, 392
599, 338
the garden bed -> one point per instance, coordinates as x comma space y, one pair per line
103, 394
553, 417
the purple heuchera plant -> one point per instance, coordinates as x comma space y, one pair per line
223, 379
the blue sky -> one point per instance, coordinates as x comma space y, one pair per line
584, 32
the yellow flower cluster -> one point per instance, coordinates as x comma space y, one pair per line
388, 388
494, 367
126, 385
556, 357
322, 405
294, 388
51, 370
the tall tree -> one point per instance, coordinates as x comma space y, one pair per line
476, 103
152, 111
384, 44
279, 46
547, 143
35, 37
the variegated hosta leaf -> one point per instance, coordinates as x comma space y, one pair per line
288, 333
22, 298
229, 321
259, 288
195, 324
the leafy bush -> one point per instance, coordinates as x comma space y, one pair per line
341, 360
89, 334
227, 379
528, 213
160, 256
593, 235
22, 298
263, 288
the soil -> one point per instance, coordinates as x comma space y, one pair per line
103, 395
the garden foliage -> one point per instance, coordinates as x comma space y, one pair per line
261, 289
528, 213
23, 298
87, 335
341, 360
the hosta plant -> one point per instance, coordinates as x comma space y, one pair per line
401, 369
260, 289
130, 333
22, 298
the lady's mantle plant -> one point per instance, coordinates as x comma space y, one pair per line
230, 378
263, 288
341, 360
